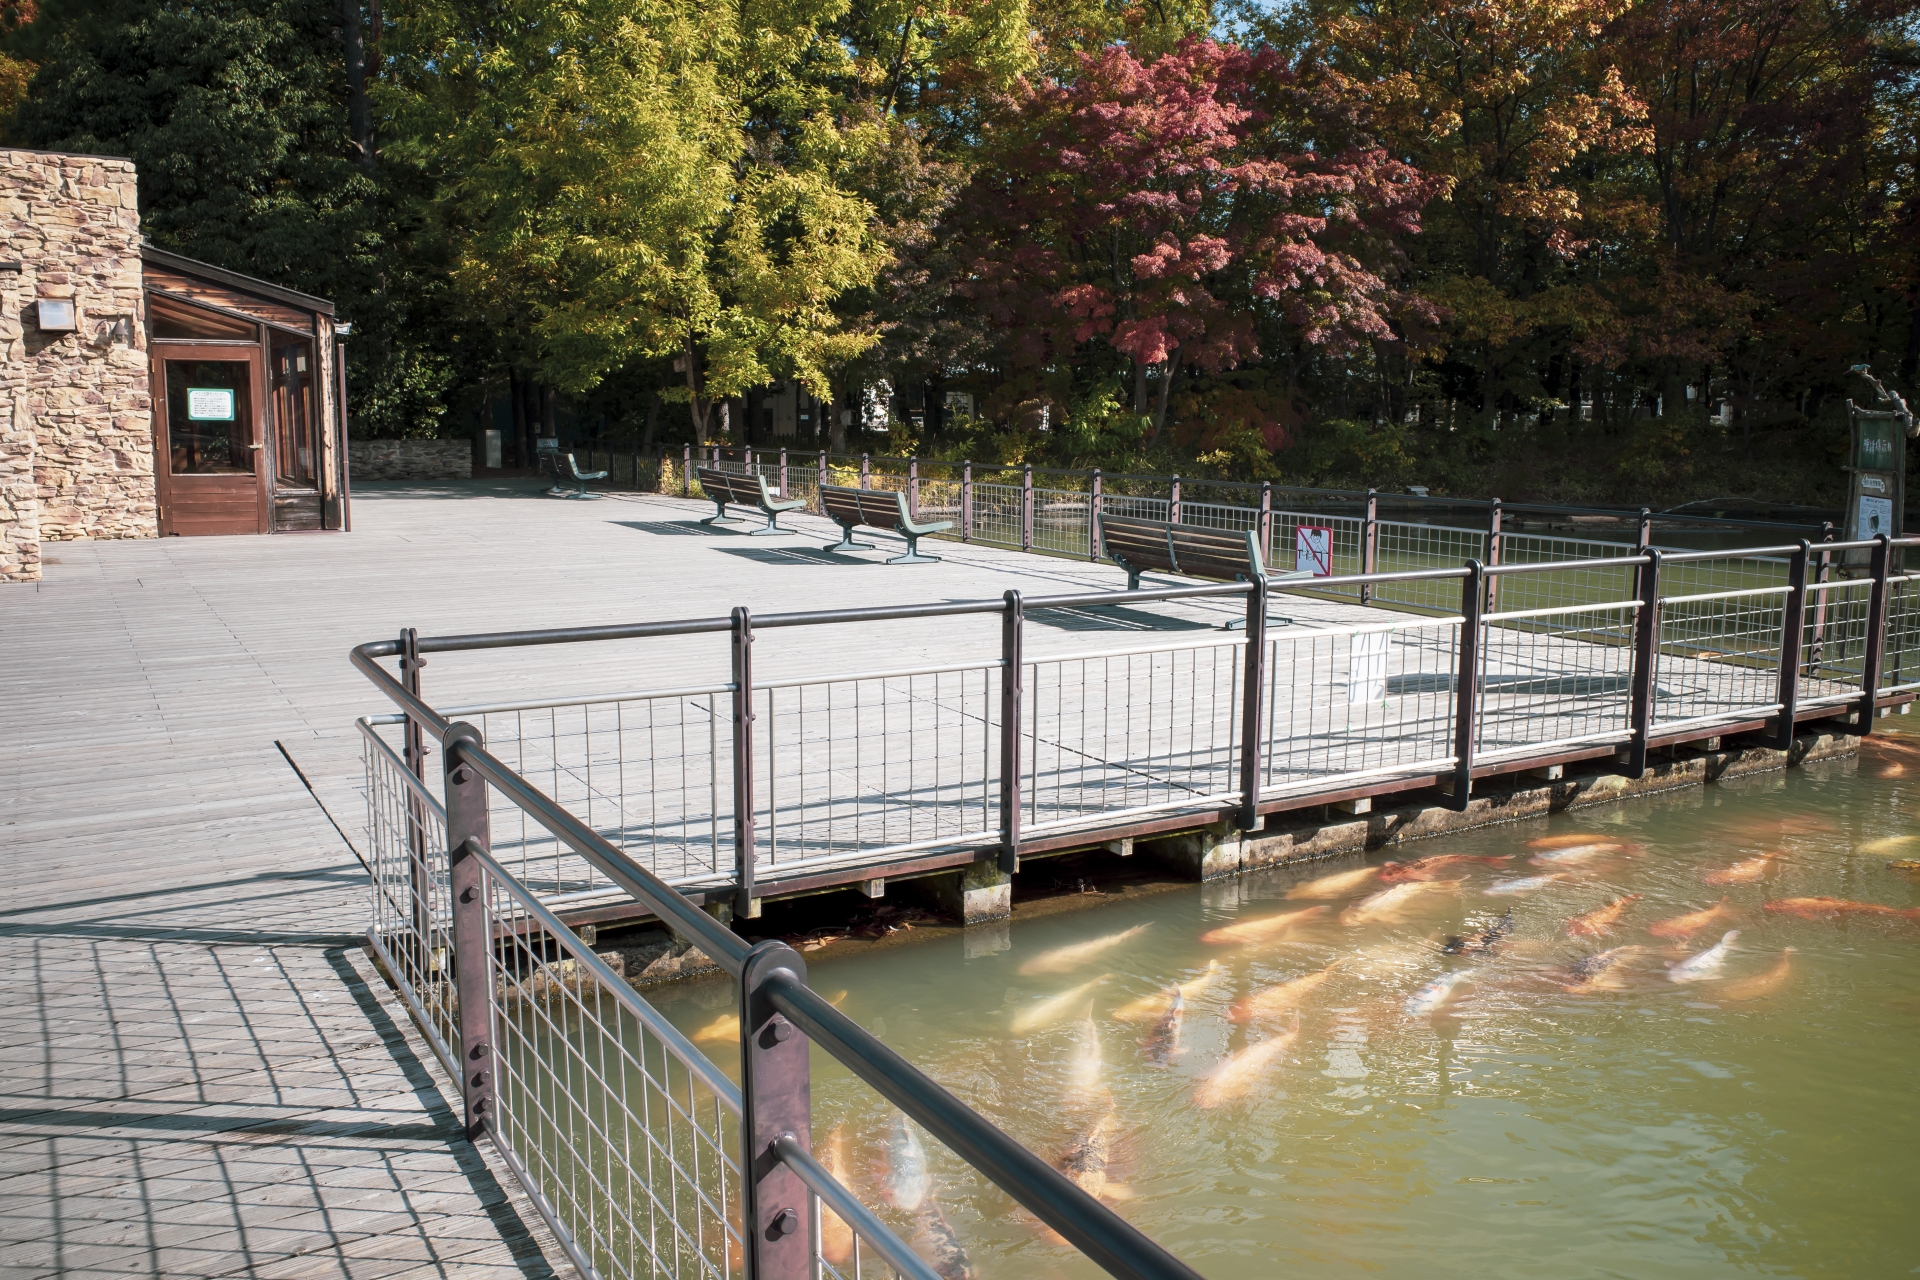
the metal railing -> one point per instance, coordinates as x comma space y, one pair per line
644, 1157
647, 1158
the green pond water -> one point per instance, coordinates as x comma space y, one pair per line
1538, 1125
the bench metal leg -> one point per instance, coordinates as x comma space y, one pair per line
846, 542
773, 526
913, 555
720, 515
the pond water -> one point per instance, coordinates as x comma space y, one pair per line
1548, 1114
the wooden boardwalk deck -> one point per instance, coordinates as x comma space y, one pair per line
202, 1074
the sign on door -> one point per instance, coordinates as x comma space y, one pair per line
1313, 550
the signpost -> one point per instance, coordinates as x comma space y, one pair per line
1313, 550
1876, 496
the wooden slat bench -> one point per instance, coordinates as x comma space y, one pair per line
744, 491
1218, 555
877, 509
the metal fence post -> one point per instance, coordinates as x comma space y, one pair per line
1646, 527
468, 828
1876, 636
1466, 684
1494, 512
1253, 703
823, 476
1026, 507
1370, 543
414, 753
913, 487
1012, 675
783, 471
776, 1100
1792, 619
1093, 515
686, 469
1266, 523
966, 501
1817, 646
866, 471
1646, 655
746, 901
1173, 502
746, 464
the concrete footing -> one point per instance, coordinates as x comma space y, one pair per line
1222, 850
973, 894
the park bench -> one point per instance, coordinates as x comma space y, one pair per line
877, 509
744, 491
550, 458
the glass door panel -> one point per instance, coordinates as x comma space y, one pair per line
295, 459
210, 418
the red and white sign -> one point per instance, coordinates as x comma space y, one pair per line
1313, 549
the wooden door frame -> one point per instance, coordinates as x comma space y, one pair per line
161, 350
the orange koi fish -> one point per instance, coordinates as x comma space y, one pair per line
1600, 921
836, 1237
1270, 1002
1759, 984
1390, 902
1743, 872
1429, 868
1834, 908
1566, 841
1235, 1077
1265, 929
1693, 922
1337, 885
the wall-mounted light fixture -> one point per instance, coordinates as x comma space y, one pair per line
56, 315
116, 329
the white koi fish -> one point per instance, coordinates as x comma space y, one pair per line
1063, 959
1525, 884
907, 1179
1041, 1012
1705, 965
1438, 994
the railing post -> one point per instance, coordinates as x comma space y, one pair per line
866, 471
1266, 524
1494, 512
1026, 507
1173, 502
776, 1100
783, 471
1370, 543
746, 464
1646, 654
913, 487
746, 901
686, 470
414, 751
966, 501
1817, 649
1466, 684
1252, 707
823, 476
1093, 515
1646, 528
1792, 619
1012, 674
468, 828
1876, 637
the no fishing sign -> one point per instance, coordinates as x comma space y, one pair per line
1313, 549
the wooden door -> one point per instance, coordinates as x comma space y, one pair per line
297, 455
209, 467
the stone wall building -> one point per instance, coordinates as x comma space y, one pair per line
143, 394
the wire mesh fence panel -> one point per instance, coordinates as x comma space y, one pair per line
1900, 657
851, 768
628, 1132
1349, 533
1358, 702
412, 913
1554, 677
1129, 730
1400, 548
1062, 521
1555, 588
940, 500
996, 514
652, 773
1833, 641
1723, 573
1136, 507
1719, 656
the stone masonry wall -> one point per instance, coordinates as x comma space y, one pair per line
410, 459
78, 415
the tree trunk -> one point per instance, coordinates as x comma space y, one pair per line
653, 417
1166, 390
1140, 388
359, 110
549, 412
836, 425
